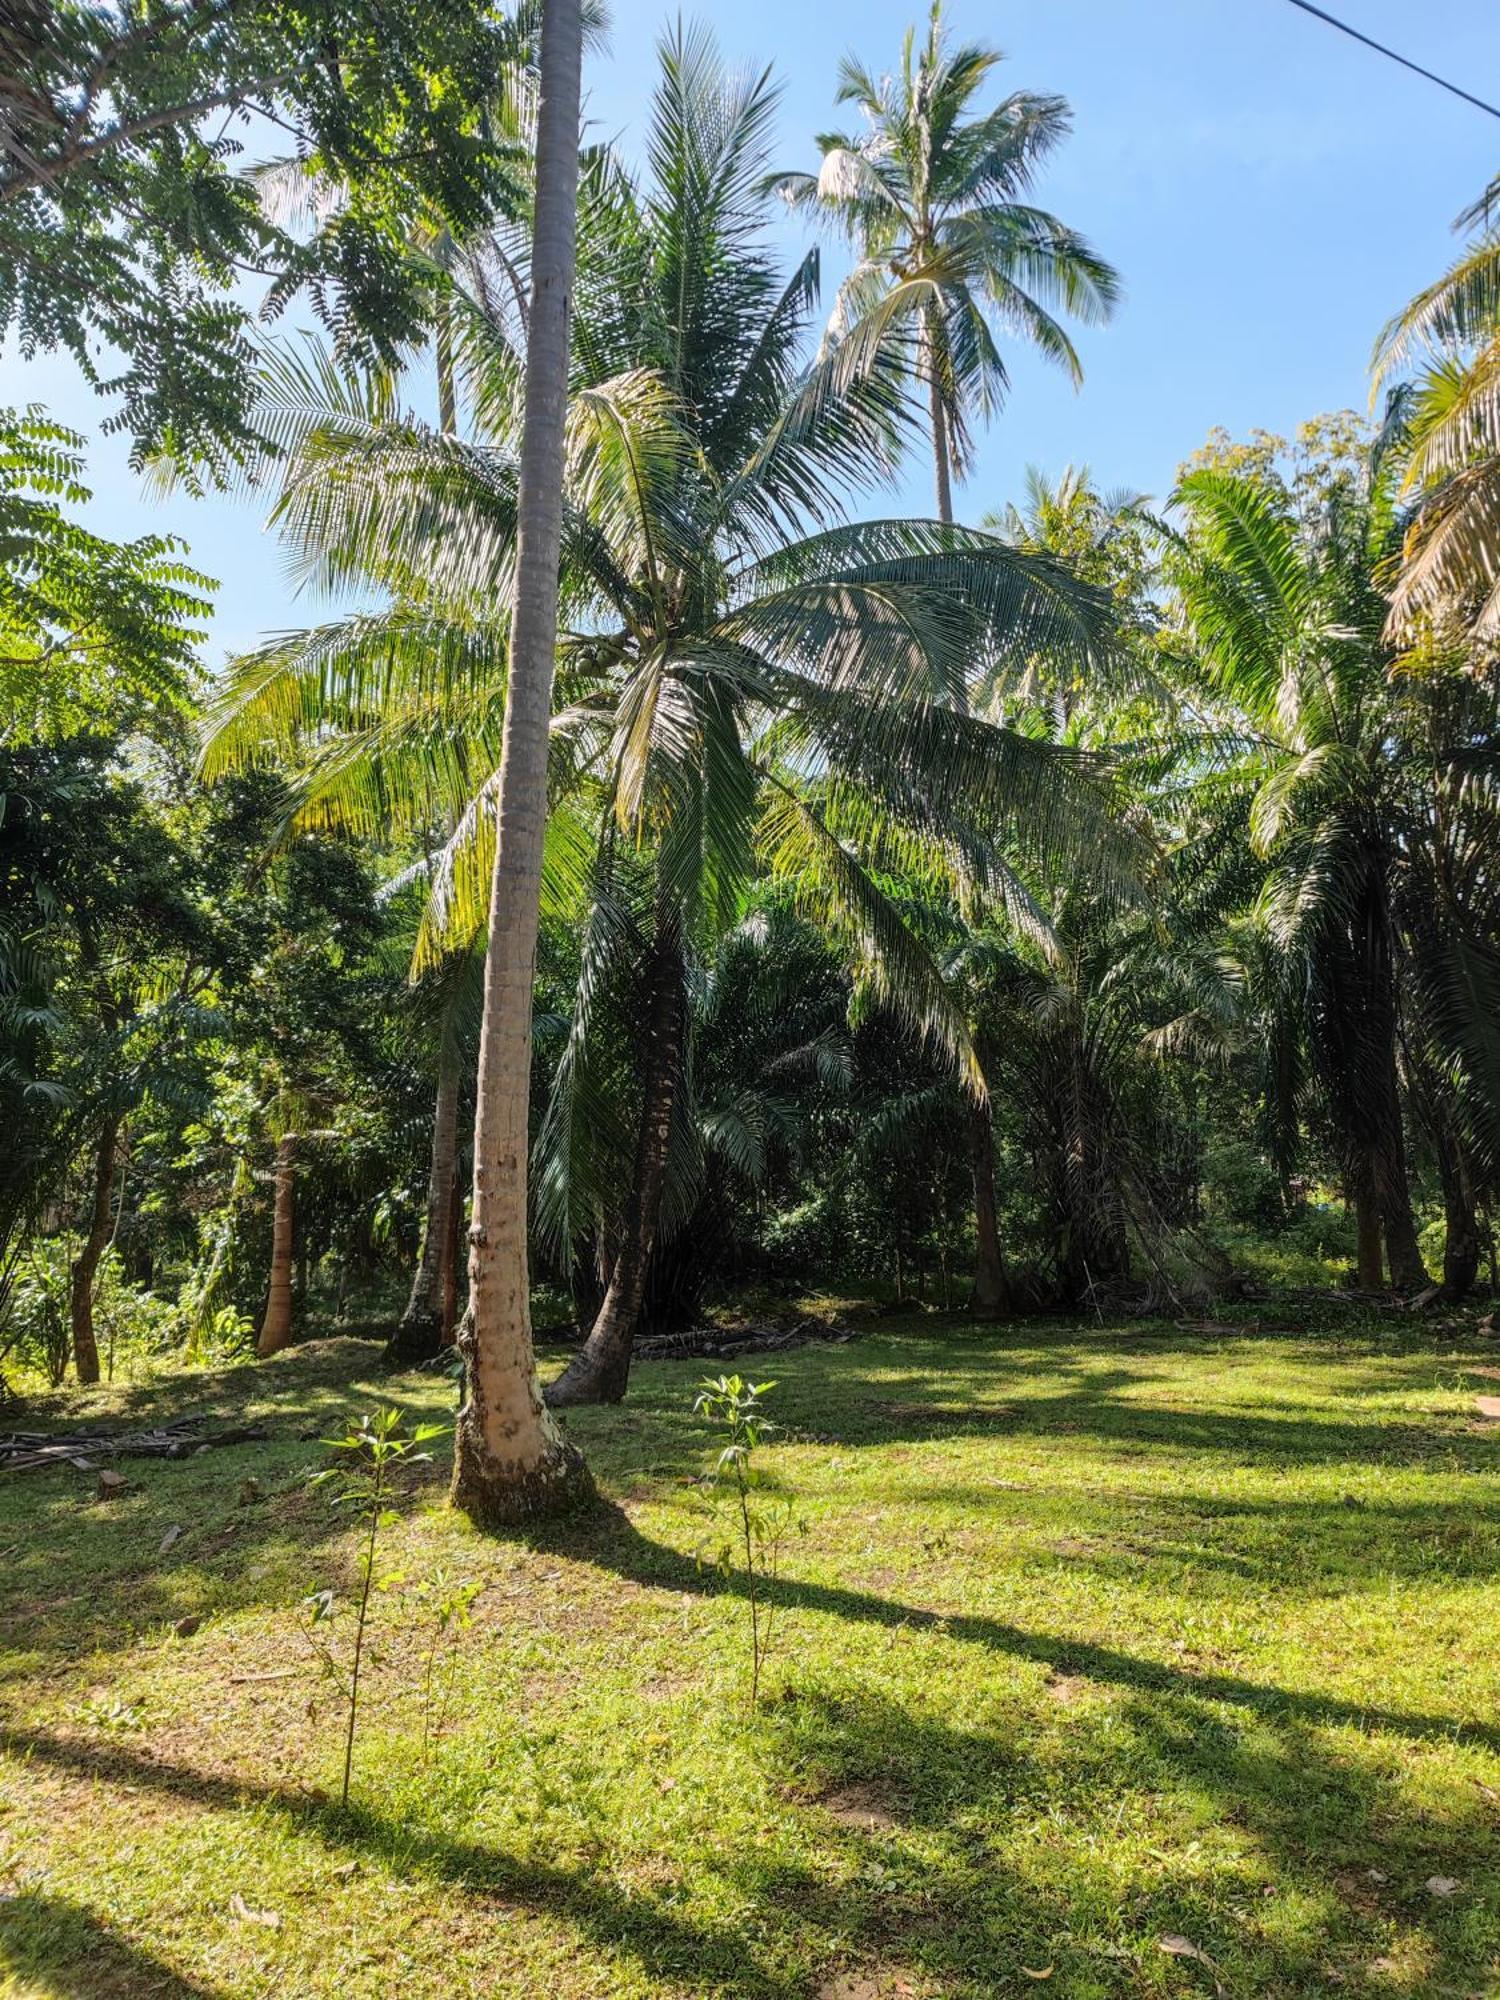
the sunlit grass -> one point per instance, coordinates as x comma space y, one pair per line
1091, 1639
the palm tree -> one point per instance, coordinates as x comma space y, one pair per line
448, 1004
1370, 797
933, 198
510, 1460
743, 664
1072, 1019
748, 680
1451, 420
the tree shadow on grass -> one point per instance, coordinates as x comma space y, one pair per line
1297, 1548
627, 1921
1093, 1409
312, 1372
82, 1574
930, 1885
922, 1390
1300, 1819
608, 1538
73, 1953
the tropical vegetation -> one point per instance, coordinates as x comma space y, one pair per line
680, 896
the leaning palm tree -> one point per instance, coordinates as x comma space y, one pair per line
933, 197
1451, 421
747, 680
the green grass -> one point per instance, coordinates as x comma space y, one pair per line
1093, 1638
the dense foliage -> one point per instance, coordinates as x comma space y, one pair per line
1102, 900
128, 218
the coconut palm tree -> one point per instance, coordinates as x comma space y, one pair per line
510, 1460
747, 680
1371, 802
448, 1005
1451, 421
933, 197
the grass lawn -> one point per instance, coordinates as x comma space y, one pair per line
1093, 1638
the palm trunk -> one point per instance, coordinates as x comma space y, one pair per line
419, 1336
86, 1263
1460, 1220
510, 1461
942, 465
600, 1371
1369, 1257
991, 1292
446, 388
276, 1327
448, 1277
1380, 1090
1393, 1191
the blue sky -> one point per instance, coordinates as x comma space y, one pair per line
1269, 191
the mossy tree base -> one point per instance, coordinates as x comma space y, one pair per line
598, 1373
417, 1338
500, 1493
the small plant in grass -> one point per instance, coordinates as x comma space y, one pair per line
761, 1516
375, 1447
451, 1602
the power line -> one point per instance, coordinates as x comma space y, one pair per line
1405, 61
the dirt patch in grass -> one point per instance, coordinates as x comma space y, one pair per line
875, 1983
1068, 1689
863, 1806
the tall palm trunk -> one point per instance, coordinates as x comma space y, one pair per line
1388, 1165
448, 1275
419, 1336
86, 1263
1460, 1219
1372, 1093
600, 1371
1403, 1251
276, 1327
941, 456
991, 1292
990, 1288
443, 352
510, 1461
1369, 1256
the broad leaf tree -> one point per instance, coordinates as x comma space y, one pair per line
128, 220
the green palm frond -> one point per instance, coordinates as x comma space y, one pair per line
827, 879
1457, 309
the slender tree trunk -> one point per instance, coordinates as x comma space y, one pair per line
510, 1460
450, 1269
991, 1292
276, 1327
1460, 1220
942, 458
600, 1371
419, 1336
1369, 1257
1379, 1088
1393, 1191
86, 1263
446, 390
